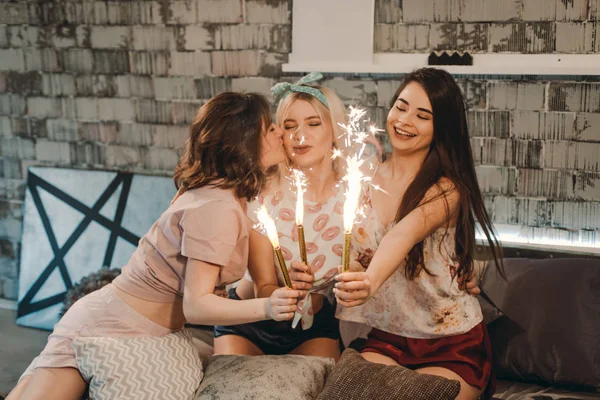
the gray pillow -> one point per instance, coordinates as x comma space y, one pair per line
165, 368
287, 377
550, 329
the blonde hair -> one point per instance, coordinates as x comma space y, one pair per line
334, 115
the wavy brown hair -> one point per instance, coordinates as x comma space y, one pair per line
449, 158
224, 146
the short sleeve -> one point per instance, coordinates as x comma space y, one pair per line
210, 232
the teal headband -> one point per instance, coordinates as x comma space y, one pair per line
284, 88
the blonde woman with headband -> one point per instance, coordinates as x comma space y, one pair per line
309, 116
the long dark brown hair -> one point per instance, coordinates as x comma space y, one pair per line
449, 157
224, 146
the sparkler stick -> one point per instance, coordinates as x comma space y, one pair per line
267, 222
299, 182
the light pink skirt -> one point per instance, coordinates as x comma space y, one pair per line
99, 314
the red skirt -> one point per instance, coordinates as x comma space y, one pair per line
469, 355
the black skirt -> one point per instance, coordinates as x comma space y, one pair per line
278, 337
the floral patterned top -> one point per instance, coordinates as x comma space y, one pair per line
427, 307
322, 233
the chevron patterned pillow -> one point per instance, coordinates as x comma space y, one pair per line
164, 368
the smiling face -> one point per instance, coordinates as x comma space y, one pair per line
410, 120
308, 138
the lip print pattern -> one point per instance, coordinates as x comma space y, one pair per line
311, 248
287, 255
295, 232
339, 208
338, 249
286, 214
313, 209
320, 222
317, 263
277, 197
331, 233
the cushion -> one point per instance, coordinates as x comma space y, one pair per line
287, 377
549, 332
353, 377
166, 367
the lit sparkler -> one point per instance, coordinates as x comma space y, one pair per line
269, 225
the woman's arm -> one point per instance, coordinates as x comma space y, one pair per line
438, 209
202, 307
261, 265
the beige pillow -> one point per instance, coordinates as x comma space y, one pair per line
353, 377
164, 368
287, 377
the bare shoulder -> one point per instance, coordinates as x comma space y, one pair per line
443, 188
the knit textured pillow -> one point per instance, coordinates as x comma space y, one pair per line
165, 368
353, 377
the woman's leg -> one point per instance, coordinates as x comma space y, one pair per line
320, 347
467, 392
235, 344
50, 384
378, 358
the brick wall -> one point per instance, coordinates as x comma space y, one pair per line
113, 85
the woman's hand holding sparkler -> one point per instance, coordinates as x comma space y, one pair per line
302, 279
282, 304
352, 288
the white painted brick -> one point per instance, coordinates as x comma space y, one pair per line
12, 104
12, 60
154, 111
133, 134
271, 63
197, 38
169, 136
495, 151
110, 37
240, 37
574, 37
417, 10
516, 95
496, 180
539, 10
77, 60
145, 13
386, 91
13, 13
193, 63
235, 63
149, 63
54, 152
10, 169
544, 125
548, 183
141, 86
112, 109
174, 88
487, 123
528, 153
42, 107
182, 12
87, 108
587, 186
490, 10
23, 36
15, 147
58, 84
266, 12
122, 156
354, 91
44, 59
153, 38
87, 154
5, 127
3, 36
220, 11
560, 154
63, 130
588, 127
253, 84
105, 132
160, 159
571, 10
10, 288
207, 87
567, 96
401, 37
184, 112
